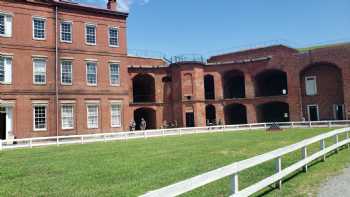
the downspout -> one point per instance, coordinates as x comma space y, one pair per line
56, 68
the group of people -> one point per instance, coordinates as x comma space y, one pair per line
132, 125
169, 125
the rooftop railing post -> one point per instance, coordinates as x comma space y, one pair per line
234, 184
322, 147
279, 169
304, 156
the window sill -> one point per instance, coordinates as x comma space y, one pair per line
90, 44
114, 46
39, 39
66, 84
66, 42
5, 83
39, 84
39, 130
92, 85
5, 36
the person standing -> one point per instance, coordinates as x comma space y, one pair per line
143, 124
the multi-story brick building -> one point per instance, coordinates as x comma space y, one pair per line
64, 70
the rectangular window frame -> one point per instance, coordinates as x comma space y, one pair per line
7, 31
71, 73
308, 111
109, 37
39, 59
71, 32
33, 27
306, 88
63, 118
97, 116
86, 35
118, 103
110, 74
96, 74
7, 80
34, 117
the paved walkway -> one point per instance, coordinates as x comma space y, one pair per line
338, 186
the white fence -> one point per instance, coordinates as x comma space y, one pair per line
235, 168
82, 139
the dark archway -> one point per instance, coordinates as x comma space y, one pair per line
273, 112
235, 114
271, 83
148, 114
210, 114
143, 88
234, 84
209, 87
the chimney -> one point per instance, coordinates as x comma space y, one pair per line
112, 5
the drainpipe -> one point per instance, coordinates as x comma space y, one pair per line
56, 68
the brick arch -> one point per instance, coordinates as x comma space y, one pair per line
271, 82
274, 111
143, 88
235, 113
148, 114
233, 84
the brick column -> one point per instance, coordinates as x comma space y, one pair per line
249, 86
219, 91
251, 113
220, 114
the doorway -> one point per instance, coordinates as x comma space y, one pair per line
313, 112
2, 125
189, 119
339, 112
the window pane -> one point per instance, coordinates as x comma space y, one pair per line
40, 117
39, 71
113, 37
92, 113
2, 24
114, 74
91, 73
91, 34
39, 28
116, 115
66, 72
67, 117
311, 86
2, 69
66, 32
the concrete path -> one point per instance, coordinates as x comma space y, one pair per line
338, 186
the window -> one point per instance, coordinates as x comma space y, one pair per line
311, 86
116, 115
40, 119
90, 31
5, 70
39, 28
5, 25
66, 32
91, 73
39, 71
113, 37
67, 116
114, 74
66, 73
92, 116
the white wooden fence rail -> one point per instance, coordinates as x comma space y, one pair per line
103, 137
234, 169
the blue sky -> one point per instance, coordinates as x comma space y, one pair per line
207, 27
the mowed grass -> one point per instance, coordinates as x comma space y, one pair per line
131, 168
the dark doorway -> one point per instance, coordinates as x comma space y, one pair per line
143, 86
148, 114
339, 113
313, 113
210, 114
234, 84
189, 119
2, 126
235, 114
273, 112
209, 87
271, 83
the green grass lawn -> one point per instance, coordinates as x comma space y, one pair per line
131, 168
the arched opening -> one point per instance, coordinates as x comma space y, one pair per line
234, 84
143, 88
235, 114
322, 92
271, 83
148, 114
210, 114
209, 87
273, 112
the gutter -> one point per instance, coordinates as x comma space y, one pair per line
56, 69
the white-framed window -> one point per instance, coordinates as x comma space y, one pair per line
313, 112
66, 32
5, 70
113, 35
114, 72
311, 85
67, 116
39, 71
116, 115
5, 25
92, 116
39, 26
66, 72
91, 73
90, 34
39, 117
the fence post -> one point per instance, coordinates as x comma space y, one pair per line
104, 138
57, 141
336, 142
322, 147
304, 155
310, 124
279, 169
329, 124
145, 134
234, 184
347, 137
31, 143
82, 139
292, 124
0, 144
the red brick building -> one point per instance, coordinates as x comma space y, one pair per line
64, 70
